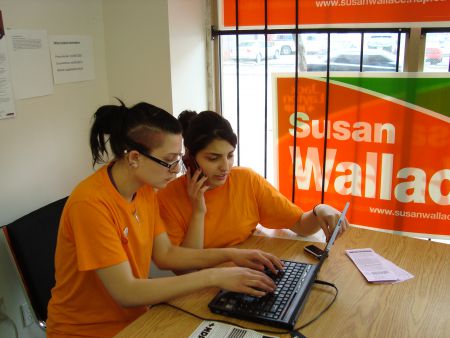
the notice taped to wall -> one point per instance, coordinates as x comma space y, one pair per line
29, 59
7, 107
72, 58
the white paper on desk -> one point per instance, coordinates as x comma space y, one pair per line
371, 266
401, 274
211, 329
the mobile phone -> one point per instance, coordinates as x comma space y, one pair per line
190, 162
314, 251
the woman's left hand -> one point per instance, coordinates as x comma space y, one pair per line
328, 217
256, 259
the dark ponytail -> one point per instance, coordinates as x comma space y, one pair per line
199, 130
108, 120
128, 129
185, 118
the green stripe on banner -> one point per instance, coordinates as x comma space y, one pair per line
429, 93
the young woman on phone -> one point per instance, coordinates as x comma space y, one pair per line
110, 229
217, 205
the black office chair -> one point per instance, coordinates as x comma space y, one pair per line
32, 241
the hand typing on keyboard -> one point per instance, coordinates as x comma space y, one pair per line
250, 277
255, 259
274, 275
273, 303
244, 280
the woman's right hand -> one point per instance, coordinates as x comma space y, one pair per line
196, 188
243, 280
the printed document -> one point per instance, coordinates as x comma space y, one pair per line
211, 329
376, 268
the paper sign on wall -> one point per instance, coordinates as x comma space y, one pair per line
30, 63
7, 107
72, 58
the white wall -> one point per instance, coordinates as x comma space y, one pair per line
137, 51
188, 54
155, 52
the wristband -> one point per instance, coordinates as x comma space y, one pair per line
314, 210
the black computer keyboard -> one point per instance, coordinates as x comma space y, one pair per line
273, 304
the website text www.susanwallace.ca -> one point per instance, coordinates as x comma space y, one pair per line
350, 3
437, 215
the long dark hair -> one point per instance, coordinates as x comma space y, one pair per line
199, 130
126, 128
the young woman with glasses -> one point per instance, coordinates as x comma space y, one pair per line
217, 205
110, 230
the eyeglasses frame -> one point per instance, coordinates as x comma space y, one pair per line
169, 166
140, 149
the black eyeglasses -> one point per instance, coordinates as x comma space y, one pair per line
173, 167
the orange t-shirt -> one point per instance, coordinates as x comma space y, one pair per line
98, 229
233, 209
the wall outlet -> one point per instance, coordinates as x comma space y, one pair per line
27, 316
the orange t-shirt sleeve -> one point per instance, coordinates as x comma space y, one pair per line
96, 237
153, 204
159, 226
176, 230
174, 210
275, 210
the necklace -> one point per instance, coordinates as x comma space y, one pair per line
136, 215
135, 212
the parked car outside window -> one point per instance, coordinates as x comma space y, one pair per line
373, 60
255, 50
315, 44
387, 42
433, 55
285, 43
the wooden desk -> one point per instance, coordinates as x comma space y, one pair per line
419, 307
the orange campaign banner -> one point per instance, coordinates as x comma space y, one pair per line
320, 12
388, 148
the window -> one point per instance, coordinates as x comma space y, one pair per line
249, 96
437, 51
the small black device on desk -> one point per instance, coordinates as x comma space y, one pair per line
313, 250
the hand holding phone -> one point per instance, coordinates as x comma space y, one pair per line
313, 250
196, 184
191, 164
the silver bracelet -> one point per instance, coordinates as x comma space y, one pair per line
314, 209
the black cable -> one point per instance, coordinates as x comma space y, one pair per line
294, 332
318, 281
